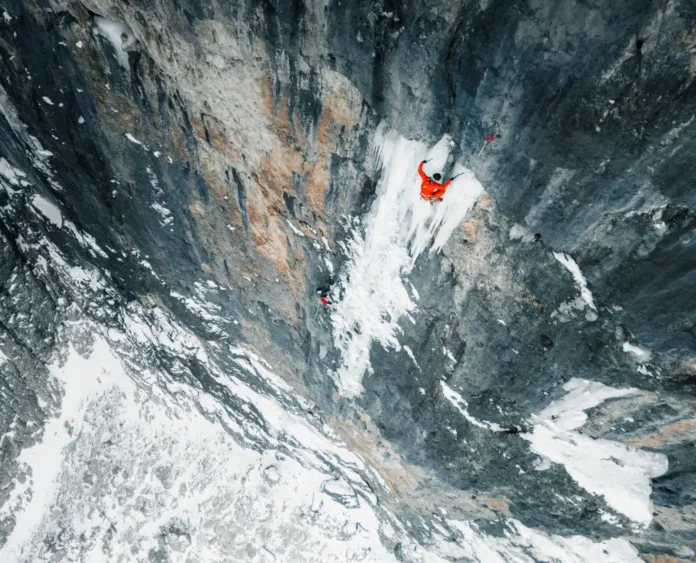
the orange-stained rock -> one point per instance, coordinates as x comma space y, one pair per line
671, 434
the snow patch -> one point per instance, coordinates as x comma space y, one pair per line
79, 378
118, 34
295, 230
258, 366
48, 210
519, 544
618, 472
10, 173
203, 309
132, 139
47, 100
191, 477
164, 212
414, 291
518, 232
85, 239
638, 353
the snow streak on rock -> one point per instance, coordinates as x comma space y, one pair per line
397, 230
618, 472
48, 210
462, 406
585, 299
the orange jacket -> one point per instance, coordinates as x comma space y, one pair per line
430, 189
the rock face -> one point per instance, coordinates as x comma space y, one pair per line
215, 160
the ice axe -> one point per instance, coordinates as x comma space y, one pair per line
487, 141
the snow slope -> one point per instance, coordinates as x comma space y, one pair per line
194, 491
152, 468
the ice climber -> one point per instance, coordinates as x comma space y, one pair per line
431, 188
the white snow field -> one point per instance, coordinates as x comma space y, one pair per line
382, 252
140, 467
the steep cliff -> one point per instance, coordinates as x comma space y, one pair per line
510, 373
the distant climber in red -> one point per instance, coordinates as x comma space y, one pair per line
323, 295
431, 188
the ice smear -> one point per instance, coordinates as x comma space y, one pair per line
408, 350
638, 353
398, 228
618, 472
580, 280
48, 210
295, 230
118, 34
164, 212
519, 232
132, 139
